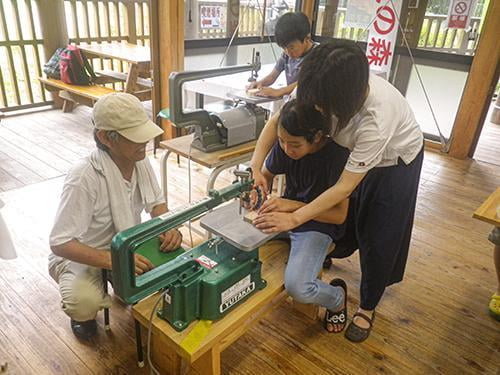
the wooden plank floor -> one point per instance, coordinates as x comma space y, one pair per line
436, 321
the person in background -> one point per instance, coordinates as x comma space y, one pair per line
293, 34
494, 305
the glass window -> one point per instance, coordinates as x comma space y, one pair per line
208, 19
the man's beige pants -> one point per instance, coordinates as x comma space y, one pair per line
81, 288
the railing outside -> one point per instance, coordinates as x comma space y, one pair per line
433, 36
93, 21
88, 21
96, 21
21, 54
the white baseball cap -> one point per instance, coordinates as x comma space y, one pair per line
125, 114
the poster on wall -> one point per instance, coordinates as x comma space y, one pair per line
359, 13
382, 36
211, 17
459, 13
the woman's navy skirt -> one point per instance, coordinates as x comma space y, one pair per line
379, 224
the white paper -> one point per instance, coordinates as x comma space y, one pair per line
359, 13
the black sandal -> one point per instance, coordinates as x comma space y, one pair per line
355, 333
337, 317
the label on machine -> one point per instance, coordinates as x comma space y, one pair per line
206, 262
236, 292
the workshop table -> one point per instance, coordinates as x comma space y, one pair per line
489, 210
138, 58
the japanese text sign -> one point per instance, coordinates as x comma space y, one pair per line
382, 36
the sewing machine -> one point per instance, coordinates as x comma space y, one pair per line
205, 282
218, 130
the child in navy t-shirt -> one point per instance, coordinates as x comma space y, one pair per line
312, 163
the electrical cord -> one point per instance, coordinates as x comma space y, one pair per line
150, 328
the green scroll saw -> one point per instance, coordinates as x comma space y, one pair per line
205, 282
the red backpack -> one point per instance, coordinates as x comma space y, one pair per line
74, 67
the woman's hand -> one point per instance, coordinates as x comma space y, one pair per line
270, 92
275, 222
170, 240
275, 204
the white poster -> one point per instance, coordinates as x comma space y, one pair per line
382, 36
211, 17
459, 13
359, 13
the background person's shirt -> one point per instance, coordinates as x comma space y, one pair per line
84, 212
291, 66
384, 130
310, 176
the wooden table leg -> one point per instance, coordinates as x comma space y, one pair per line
131, 83
166, 360
208, 363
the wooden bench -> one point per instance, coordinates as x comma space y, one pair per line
113, 76
71, 94
168, 347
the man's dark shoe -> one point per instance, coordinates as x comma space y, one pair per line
84, 330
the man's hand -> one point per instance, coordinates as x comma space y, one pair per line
275, 204
275, 222
142, 264
170, 240
270, 92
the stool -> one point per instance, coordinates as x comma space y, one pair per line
107, 327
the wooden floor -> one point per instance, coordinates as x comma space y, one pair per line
435, 321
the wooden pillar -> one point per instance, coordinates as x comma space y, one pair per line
329, 18
167, 47
232, 17
54, 32
131, 25
412, 20
479, 88
308, 9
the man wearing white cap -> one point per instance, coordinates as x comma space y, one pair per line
103, 195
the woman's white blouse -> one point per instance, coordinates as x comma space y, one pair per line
383, 130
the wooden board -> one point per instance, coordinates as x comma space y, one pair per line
489, 211
128, 52
92, 92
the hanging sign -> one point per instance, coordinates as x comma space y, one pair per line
382, 36
211, 16
459, 13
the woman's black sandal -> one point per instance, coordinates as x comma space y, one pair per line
355, 333
337, 317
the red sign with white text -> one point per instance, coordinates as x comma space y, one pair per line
382, 36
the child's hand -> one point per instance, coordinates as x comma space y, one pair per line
170, 240
269, 91
275, 204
